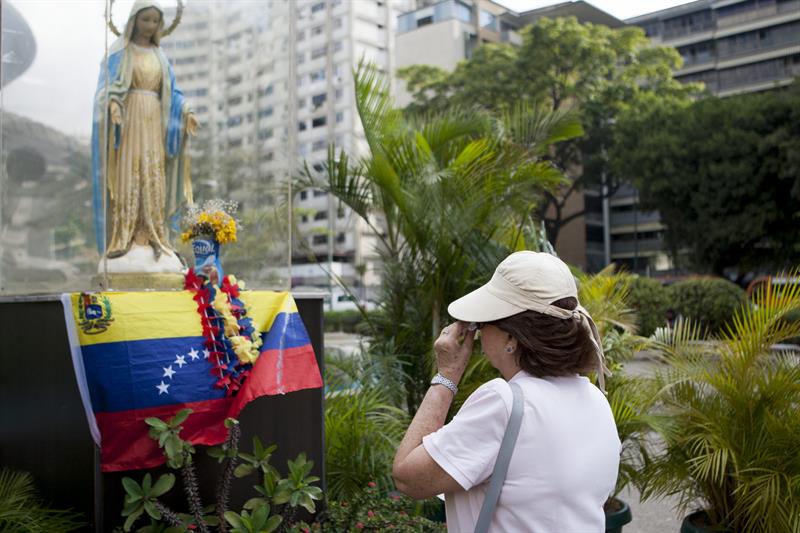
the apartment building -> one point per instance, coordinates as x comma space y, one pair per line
733, 47
272, 85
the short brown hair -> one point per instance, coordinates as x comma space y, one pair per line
551, 346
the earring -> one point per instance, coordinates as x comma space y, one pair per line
509, 349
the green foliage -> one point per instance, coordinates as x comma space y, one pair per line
723, 173
561, 62
22, 510
727, 413
259, 522
707, 302
276, 506
650, 299
363, 426
455, 191
347, 321
167, 434
140, 499
372, 510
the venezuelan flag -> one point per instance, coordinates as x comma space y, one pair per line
141, 354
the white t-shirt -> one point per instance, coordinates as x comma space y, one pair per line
564, 464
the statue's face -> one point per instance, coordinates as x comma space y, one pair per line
147, 21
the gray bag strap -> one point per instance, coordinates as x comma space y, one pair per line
503, 459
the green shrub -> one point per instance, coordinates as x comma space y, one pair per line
21, 509
372, 510
345, 321
650, 299
708, 302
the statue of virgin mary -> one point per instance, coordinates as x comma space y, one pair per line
140, 127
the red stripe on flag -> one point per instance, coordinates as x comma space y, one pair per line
126, 444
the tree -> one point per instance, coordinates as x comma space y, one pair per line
724, 174
561, 63
455, 191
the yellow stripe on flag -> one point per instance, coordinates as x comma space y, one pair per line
264, 306
131, 316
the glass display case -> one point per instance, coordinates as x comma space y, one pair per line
66, 193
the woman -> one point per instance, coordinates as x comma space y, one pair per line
566, 457
140, 124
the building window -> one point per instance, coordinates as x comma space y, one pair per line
265, 134
319, 52
340, 212
337, 46
318, 99
301, 35
234, 120
338, 22
339, 93
318, 193
266, 91
339, 117
301, 103
319, 239
319, 167
304, 218
341, 237
318, 122
234, 143
488, 20
303, 196
318, 145
317, 30
318, 7
266, 112
301, 57
301, 126
236, 100
317, 75
235, 80
268, 156
321, 215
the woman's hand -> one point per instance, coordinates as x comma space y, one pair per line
192, 125
453, 349
116, 113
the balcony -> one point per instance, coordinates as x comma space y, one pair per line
629, 218
755, 14
632, 247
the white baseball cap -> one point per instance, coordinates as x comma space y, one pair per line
524, 281
529, 281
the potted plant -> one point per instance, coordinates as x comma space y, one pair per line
605, 295
728, 416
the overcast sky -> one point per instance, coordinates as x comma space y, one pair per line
58, 88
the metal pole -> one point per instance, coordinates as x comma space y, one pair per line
292, 148
606, 220
635, 230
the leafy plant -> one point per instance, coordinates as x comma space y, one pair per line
728, 417
372, 510
276, 507
22, 510
454, 192
708, 302
650, 299
363, 426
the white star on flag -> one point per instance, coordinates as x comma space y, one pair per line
168, 372
162, 388
206, 354
193, 354
180, 360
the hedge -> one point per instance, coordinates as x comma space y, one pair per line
650, 299
711, 302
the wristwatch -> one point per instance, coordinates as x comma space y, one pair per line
439, 379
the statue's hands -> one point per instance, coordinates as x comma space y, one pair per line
116, 113
192, 125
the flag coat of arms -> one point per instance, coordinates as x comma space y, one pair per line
143, 354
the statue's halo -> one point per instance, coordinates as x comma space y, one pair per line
166, 32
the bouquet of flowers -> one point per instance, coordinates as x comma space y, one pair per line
214, 218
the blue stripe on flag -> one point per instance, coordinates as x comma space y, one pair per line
150, 373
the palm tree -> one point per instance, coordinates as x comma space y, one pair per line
454, 193
729, 419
